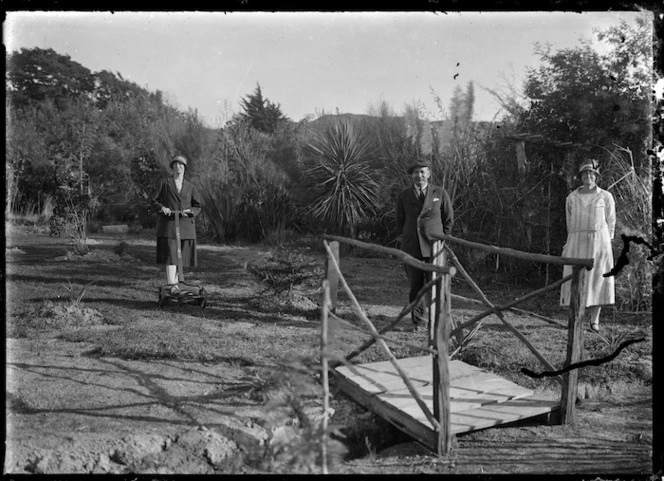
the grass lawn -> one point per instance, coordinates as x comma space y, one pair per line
263, 312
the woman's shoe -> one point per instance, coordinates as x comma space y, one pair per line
594, 326
174, 290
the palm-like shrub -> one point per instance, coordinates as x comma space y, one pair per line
345, 190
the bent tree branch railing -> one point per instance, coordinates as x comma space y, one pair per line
569, 380
441, 323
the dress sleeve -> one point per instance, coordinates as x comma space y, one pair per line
158, 198
610, 213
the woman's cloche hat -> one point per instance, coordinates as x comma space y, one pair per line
592, 165
178, 158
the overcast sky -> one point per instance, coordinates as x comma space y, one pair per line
308, 62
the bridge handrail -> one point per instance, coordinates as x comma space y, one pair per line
504, 251
408, 259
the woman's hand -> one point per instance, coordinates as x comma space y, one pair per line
187, 213
166, 211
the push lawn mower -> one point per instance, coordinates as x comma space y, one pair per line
181, 292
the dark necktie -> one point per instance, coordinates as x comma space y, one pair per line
420, 196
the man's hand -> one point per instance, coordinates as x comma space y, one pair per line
166, 211
187, 213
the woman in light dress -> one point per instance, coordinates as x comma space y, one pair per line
591, 221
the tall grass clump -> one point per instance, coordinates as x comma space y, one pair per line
244, 194
633, 195
76, 297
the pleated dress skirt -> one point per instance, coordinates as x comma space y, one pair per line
167, 252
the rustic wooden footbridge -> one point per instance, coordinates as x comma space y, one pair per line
430, 397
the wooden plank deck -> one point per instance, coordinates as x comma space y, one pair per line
478, 399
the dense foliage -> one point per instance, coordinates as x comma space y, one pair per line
265, 178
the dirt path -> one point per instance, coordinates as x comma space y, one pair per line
74, 413
71, 411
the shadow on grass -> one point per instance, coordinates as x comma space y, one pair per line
225, 313
34, 255
232, 361
64, 280
126, 303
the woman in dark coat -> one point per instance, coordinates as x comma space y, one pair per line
176, 193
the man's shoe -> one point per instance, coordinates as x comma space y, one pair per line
414, 327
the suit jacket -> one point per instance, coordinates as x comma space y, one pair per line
418, 221
168, 196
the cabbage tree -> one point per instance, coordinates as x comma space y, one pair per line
346, 191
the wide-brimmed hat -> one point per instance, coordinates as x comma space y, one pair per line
178, 158
591, 165
417, 164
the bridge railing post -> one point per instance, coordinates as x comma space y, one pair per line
438, 259
441, 378
325, 303
574, 344
332, 275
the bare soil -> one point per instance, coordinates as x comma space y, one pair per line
70, 410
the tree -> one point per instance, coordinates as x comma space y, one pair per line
455, 152
144, 172
26, 149
457, 110
581, 102
33, 75
58, 111
579, 95
109, 87
469, 102
261, 113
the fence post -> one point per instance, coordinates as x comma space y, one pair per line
574, 344
324, 302
441, 377
438, 259
332, 275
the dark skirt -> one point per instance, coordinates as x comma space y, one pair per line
167, 252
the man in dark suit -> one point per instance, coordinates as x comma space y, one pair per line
422, 210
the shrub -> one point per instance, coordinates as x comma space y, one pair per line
120, 248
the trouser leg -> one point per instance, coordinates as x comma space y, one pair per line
417, 279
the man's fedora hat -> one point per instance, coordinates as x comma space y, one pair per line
417, 164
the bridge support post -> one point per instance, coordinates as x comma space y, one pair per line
332, 275
324, 302
574, 345
441, 377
